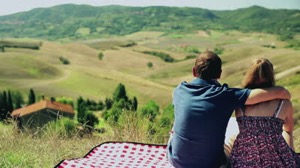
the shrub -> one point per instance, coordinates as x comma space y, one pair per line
190, 57
163, 56
63, 127
100, 56
64, 60
269, 46
90, 121
129, 44
149, 64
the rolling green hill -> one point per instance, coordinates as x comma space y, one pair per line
90, 77
68, 21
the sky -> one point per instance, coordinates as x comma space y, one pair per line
14, 6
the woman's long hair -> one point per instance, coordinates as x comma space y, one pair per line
259, 75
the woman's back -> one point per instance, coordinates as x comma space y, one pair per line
260, 142
267, 109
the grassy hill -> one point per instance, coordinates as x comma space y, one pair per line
88, 76
84, 21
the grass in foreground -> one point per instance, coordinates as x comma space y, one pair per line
47, 148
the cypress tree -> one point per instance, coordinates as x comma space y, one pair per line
1, 107
31, 97
108, 103
4, 109
81, 109
120, 93
134, 104
4, 99
10, 106
18, 99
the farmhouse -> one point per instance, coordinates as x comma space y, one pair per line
40, 113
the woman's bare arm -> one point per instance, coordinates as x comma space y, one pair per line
288, 125
266, 94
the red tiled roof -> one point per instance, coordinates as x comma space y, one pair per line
43, 105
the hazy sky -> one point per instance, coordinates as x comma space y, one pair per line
14, 6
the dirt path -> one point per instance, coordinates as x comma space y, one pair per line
287, 72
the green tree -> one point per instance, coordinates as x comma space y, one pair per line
10, 106
149, 64
100, 56
100, 105
18, 99
108, 103
134, 104
113, 114
2, 107
90, 120
81, 110
5, 104
120, 93
31, 97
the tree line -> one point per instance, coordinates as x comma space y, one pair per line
111, 108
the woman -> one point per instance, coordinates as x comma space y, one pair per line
266, 129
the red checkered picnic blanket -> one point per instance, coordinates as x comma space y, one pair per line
121, 155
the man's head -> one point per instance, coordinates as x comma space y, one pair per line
208, 65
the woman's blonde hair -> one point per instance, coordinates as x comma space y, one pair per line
259, 75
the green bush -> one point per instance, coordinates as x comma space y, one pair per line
163, 56
64, 127
64, 60
150, 110
100, 56
190, 57
149, 64
90, 120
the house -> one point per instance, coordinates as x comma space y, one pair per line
40, 113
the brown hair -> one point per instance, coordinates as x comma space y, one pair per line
259, 75
208, 66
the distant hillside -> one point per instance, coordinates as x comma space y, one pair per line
83, 21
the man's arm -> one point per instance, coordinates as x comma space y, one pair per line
266, 94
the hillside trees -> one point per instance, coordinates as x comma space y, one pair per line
119, 103
164, 56
18, 99
3, 106
85, 115
10, 107
8, 102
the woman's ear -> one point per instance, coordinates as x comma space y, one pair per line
194, 72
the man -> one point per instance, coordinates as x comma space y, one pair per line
202, 110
